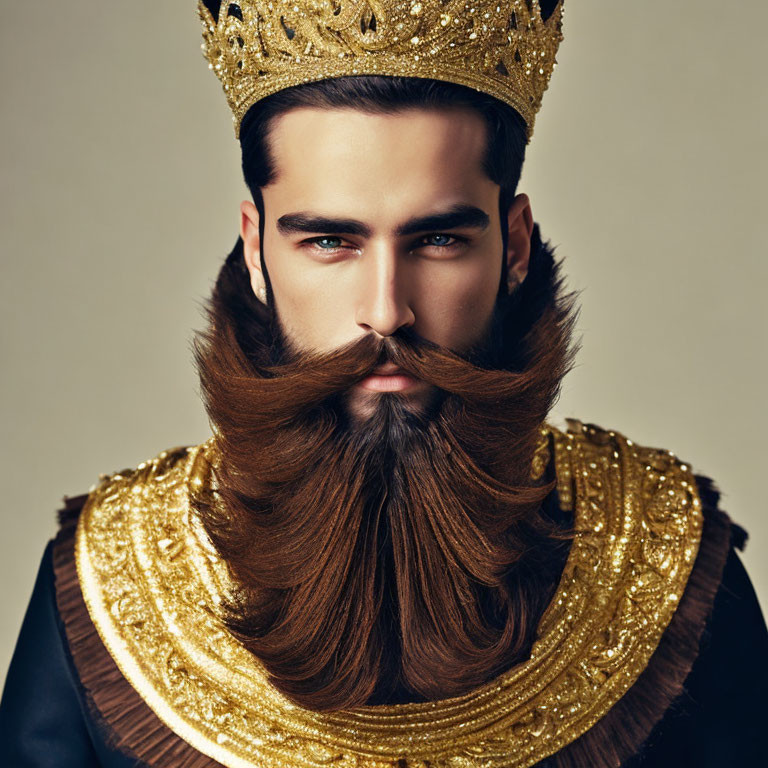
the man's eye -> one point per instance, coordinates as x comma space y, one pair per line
443, 236
317, 241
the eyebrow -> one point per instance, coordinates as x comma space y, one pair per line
461, 215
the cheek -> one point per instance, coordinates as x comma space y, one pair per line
456, 312
313, 308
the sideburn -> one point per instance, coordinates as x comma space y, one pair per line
406, 558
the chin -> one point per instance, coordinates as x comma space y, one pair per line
362, 405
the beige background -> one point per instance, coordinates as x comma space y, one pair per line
120, 193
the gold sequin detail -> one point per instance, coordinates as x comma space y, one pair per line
152, 580
500, 47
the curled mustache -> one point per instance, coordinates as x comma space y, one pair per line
408, 551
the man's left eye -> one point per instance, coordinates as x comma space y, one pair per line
441, 235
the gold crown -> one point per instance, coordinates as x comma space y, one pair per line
501, 47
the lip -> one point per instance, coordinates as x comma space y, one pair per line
388, 378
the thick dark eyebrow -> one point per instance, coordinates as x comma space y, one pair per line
461, 215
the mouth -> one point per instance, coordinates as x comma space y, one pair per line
388, 378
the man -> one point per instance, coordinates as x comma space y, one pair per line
385, 555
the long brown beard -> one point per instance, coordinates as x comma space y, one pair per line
406, 556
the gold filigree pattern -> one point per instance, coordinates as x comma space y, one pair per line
152, 581
501, 47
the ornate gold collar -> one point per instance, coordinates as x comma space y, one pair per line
152, 580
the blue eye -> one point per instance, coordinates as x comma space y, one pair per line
440, 234
324, 237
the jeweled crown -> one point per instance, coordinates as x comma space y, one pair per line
501, 47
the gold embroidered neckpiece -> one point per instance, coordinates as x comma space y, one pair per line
152, 581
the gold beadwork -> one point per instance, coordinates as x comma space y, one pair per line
541, 454
500, 47
152, 582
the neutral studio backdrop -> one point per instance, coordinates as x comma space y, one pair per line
120, 193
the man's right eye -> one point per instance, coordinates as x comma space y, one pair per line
318, 240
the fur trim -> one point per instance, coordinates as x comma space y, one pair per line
71, 509
130, 726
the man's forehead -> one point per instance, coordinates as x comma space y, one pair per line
449, 141
362, 171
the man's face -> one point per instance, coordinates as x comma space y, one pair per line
413, 530
348, 246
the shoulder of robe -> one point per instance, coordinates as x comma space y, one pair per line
115, 482
654, 460
123, 725
660, 692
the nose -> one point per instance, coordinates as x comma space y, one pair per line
384, 304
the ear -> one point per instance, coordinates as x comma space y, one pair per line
519, 231
249, 232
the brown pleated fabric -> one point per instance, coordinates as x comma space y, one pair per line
131, 726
